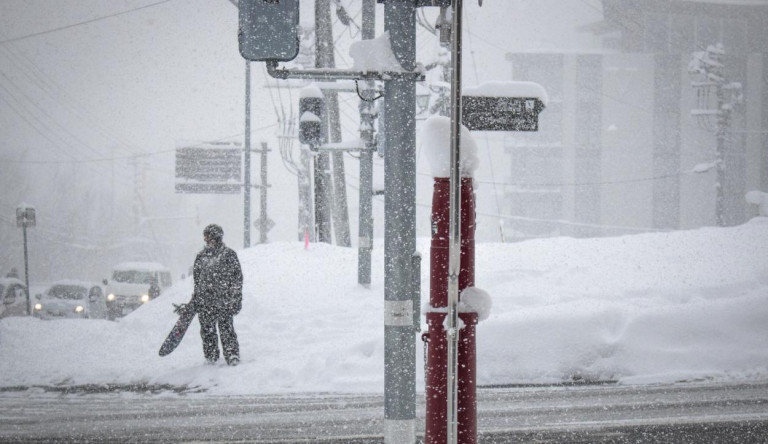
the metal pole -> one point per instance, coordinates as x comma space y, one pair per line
26, 268
400, 298
247, 184
322, 160
263, 201
454, 241
722, 125
365, 225
326, 59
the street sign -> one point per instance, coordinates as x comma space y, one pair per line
209, 168
481, 113
25, 217
269, 30
208, 188
268, 226
210, 162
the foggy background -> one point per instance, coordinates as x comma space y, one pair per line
96, 95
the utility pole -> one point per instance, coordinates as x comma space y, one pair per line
728, 95
264, 220
322, 162
25, 217
324, 58
401, 299
304, 178
367, 117
247, 182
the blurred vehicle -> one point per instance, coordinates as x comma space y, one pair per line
71, 299
129, 286
13, 297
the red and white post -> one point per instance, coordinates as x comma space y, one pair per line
437, 356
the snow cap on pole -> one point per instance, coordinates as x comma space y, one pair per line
436, 139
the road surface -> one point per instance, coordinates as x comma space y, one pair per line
679, 413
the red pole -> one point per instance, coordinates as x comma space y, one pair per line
437, 360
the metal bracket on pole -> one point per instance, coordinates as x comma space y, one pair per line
340, 147
341, 74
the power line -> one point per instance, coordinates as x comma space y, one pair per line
128, 157
96, 19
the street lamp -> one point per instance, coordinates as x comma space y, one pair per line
25, 217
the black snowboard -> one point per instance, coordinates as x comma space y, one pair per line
186, 314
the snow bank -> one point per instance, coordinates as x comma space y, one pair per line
639, 309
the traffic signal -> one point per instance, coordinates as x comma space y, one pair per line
269, 29
312, 128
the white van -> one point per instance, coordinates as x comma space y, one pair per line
128, 287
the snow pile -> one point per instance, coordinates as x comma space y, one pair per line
374, 55
436, 141
760, 199
638, 309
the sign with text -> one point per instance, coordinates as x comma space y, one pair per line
481, 113
210, 162
209, 168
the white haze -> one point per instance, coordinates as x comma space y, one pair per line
83, 104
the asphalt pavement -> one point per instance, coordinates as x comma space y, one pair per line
705, 412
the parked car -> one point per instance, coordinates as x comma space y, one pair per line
128, 288
71, 299
13, 298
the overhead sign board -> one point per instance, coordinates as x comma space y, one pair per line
269, 29
481, 113
210, 162
209, 168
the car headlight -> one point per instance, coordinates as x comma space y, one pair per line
111, 297
38, 307
79, 309
145, 298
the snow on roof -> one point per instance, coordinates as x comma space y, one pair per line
140, 266
74, 282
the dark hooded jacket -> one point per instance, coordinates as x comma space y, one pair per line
218, 281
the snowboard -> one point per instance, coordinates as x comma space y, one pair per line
186, 314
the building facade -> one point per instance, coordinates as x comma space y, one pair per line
619, 150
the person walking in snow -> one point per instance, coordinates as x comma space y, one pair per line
218, 296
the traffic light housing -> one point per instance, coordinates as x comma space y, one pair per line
312, 118
269, 29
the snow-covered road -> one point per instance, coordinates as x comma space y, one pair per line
694, 412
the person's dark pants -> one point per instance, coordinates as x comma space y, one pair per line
229, 344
